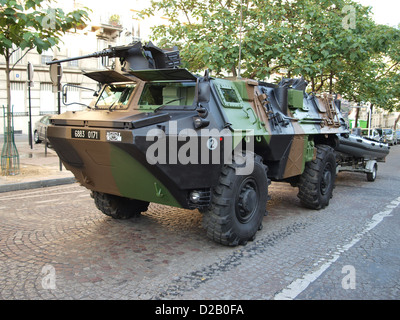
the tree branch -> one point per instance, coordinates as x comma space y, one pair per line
384, 74
320, 86
12, 68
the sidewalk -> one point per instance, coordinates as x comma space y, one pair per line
36, 168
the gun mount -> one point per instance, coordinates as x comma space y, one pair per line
137, 56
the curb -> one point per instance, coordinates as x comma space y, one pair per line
36, 184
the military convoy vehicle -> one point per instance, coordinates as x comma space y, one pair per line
159, 133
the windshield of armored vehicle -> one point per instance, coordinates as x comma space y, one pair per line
115, 96
164, 94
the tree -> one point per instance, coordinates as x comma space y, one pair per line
334, 44
301, 36
375, 77
28, 25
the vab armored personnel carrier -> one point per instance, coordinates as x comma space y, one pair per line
158, 133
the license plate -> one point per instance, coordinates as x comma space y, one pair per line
85, 134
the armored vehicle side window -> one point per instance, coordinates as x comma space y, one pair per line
115, 96
174, 94
229, 95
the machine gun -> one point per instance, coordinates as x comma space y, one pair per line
137, 56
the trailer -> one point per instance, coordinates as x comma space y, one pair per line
359, 154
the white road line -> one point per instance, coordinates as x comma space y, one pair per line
299, 285
46, 201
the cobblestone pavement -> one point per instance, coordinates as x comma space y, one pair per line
55, 244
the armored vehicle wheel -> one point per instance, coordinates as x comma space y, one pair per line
118, 207
238, 205
317, 181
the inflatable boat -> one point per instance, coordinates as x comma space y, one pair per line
359, 154
362, 148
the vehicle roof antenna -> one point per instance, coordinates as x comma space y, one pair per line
240, 39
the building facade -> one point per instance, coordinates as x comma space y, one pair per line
379, 117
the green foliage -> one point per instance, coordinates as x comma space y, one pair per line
308, 38
29, 24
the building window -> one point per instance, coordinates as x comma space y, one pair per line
47, 99
73, 63
73, 52
47, 56
16, 56
18, 98
73, 97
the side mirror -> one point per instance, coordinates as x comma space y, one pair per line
65, 94
204, 88
204, 91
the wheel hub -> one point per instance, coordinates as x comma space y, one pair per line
326, 180
247, 202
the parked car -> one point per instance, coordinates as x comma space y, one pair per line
389, 136
373, 134
39, 131
398, 136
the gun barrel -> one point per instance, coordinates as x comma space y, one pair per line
105, 52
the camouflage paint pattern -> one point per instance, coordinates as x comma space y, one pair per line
285, 139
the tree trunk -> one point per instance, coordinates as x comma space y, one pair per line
356, 121
8, 83
396, 122
9, 152
233, 69
8, 107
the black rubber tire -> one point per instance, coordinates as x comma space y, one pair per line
36, 137
238, 205
119, 207
371, 176
317, 182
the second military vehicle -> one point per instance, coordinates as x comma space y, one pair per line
158, 133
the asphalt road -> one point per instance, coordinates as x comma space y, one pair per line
55, 244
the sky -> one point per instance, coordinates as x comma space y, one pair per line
384, 11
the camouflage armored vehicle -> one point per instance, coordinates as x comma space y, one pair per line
158, 133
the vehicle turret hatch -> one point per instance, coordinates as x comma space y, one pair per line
108, 76
163, 74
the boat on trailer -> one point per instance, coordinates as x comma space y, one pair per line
359, 154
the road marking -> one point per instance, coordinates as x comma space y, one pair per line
299, 285
46, 201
